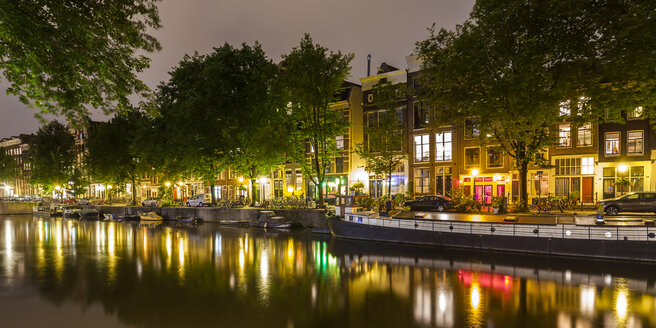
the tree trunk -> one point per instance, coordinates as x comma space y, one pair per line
389, 186
134, 191
320, 186
253, 191
523, 186
212, 197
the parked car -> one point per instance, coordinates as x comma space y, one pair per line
199, 200
631, 202
430, 203
152, 201
83, 201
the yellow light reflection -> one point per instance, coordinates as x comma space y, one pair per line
169, 244
475, 297
621, 305
181, 251
241, 259
587, 300
111, 239
264, 265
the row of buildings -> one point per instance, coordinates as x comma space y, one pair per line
587, 161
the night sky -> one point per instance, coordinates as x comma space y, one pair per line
386, 29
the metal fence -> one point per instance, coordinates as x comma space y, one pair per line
564, 231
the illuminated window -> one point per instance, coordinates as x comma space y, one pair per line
422, 148
634, 143
564, 108
587, 165
612, 143
635, 114
443, 150
584, 136
564, 135
472, 157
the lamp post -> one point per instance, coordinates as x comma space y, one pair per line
474, 174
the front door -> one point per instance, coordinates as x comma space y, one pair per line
478, 193
501, 191
586, 191
488, 195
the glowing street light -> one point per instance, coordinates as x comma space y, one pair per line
167, 184
241, 179
622, 167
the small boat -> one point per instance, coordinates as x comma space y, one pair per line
236, 223
150, 216
277, 225
70, 212
129, 217
40, 211
88, 215
193, 220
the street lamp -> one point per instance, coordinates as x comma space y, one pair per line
622, 168
167, 184
474, 174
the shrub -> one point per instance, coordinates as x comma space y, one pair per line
461, 202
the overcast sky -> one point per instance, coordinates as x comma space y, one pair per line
386, 29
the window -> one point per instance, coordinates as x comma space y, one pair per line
568, 166
443, 146
421, 115
587, 165
471, 129
339, 165
564, 108
399, 116
494, 157
299, 179
472, 157
634, 143
564, 135
372, 120
443, 180
289, 178
422, 148
339, 141
637, 178
562, 186
634, 114
422, 180
231, 174
584, 137
612, 143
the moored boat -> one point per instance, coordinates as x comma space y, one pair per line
237, 223
150, 216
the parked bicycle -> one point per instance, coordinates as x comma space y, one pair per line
546, 205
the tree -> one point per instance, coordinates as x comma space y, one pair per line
310, 78
111, 159
52, 156
67, 56
216, 111
511, 65
383, 154
7, 167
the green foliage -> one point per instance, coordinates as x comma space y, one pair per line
7, 167
216, 111
52, 155
575, 196
357, 187
512, 64
383, 150
399, 199
311, 77
78, 183
111, 159
461, 202
67, 56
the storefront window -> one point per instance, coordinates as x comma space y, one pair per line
637, 178
612, 143
443, 146
634, 143
422, 181
562, 186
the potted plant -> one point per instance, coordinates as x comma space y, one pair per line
496, 204
574, 197
622, 184
357, 188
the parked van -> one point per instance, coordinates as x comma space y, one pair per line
199, 200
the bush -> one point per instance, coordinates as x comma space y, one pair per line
167, 203
461, 202
399, 199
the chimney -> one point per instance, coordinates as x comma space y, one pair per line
369, 65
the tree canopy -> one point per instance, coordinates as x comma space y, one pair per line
67, 56
513, 64
52, 155
110, 158
7, 167
216, 111
309, 80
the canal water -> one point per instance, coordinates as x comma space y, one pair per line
56, 272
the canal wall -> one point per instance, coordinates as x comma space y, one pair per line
16, 208
309, 218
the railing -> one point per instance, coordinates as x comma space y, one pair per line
563, 231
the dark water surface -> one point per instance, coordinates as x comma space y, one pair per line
67, 273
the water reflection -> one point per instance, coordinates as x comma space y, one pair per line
168, 275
